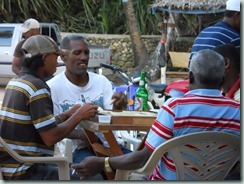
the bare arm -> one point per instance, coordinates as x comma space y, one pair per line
93, 165
16, 65
120, 100
73, 117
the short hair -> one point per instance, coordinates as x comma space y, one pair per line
231, 52
65, 43
208, 67
229, 13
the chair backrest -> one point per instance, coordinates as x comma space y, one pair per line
61, 161
197, 156
1, 175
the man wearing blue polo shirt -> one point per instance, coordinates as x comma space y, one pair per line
225, 31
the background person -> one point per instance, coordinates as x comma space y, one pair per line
225, 31
29, 28
27, 123
205, 80
231, 85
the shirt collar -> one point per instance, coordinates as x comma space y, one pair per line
205, 92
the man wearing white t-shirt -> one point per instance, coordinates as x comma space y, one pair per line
77, 85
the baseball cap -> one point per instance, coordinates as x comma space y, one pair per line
29, 24
41, 44
233, 5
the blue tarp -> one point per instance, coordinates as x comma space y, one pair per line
154, 9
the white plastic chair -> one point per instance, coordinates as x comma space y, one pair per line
132, 142
211, 162
61, 160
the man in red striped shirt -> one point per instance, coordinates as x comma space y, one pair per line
203, 108
231, 85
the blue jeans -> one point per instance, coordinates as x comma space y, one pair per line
81, 154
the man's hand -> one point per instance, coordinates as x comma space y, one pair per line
90, 166
120, 100
86, 111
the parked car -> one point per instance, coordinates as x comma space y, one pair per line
10, 36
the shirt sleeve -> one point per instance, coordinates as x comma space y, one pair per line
41, 110
162, 128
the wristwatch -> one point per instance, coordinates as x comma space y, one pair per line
106, 165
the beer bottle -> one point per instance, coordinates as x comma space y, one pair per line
141, 96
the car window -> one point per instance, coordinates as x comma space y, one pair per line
6, 36
49, 31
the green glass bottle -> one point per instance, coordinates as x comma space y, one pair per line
141, 96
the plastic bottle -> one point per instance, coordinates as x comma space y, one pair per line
141, 96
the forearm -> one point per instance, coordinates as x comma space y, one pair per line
92, 165
133, 160
60, 118
54, 135
76, 134
71, 119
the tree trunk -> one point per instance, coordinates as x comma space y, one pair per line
139, 50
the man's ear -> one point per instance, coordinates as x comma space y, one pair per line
237, 15
227, 63
63, 58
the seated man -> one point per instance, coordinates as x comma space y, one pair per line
77, 85
205, 79
231, 85
27, 123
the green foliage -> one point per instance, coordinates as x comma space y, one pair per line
146, 22
87, 16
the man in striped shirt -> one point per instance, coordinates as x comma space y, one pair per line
225, 31
27, 123
203, 108
232, 83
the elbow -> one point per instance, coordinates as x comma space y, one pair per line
145, 155
49, 143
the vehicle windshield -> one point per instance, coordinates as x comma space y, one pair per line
6, 35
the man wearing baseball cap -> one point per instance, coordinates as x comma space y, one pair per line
29, 28
27, 122
226, 31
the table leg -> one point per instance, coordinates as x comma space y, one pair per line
112, 142
100, 150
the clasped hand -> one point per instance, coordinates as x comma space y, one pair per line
90, 166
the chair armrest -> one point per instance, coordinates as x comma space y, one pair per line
61, 161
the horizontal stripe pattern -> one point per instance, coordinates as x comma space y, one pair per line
198, 110
10, 171
33, 149
218, 34
26, 109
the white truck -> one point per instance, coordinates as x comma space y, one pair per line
10, 37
